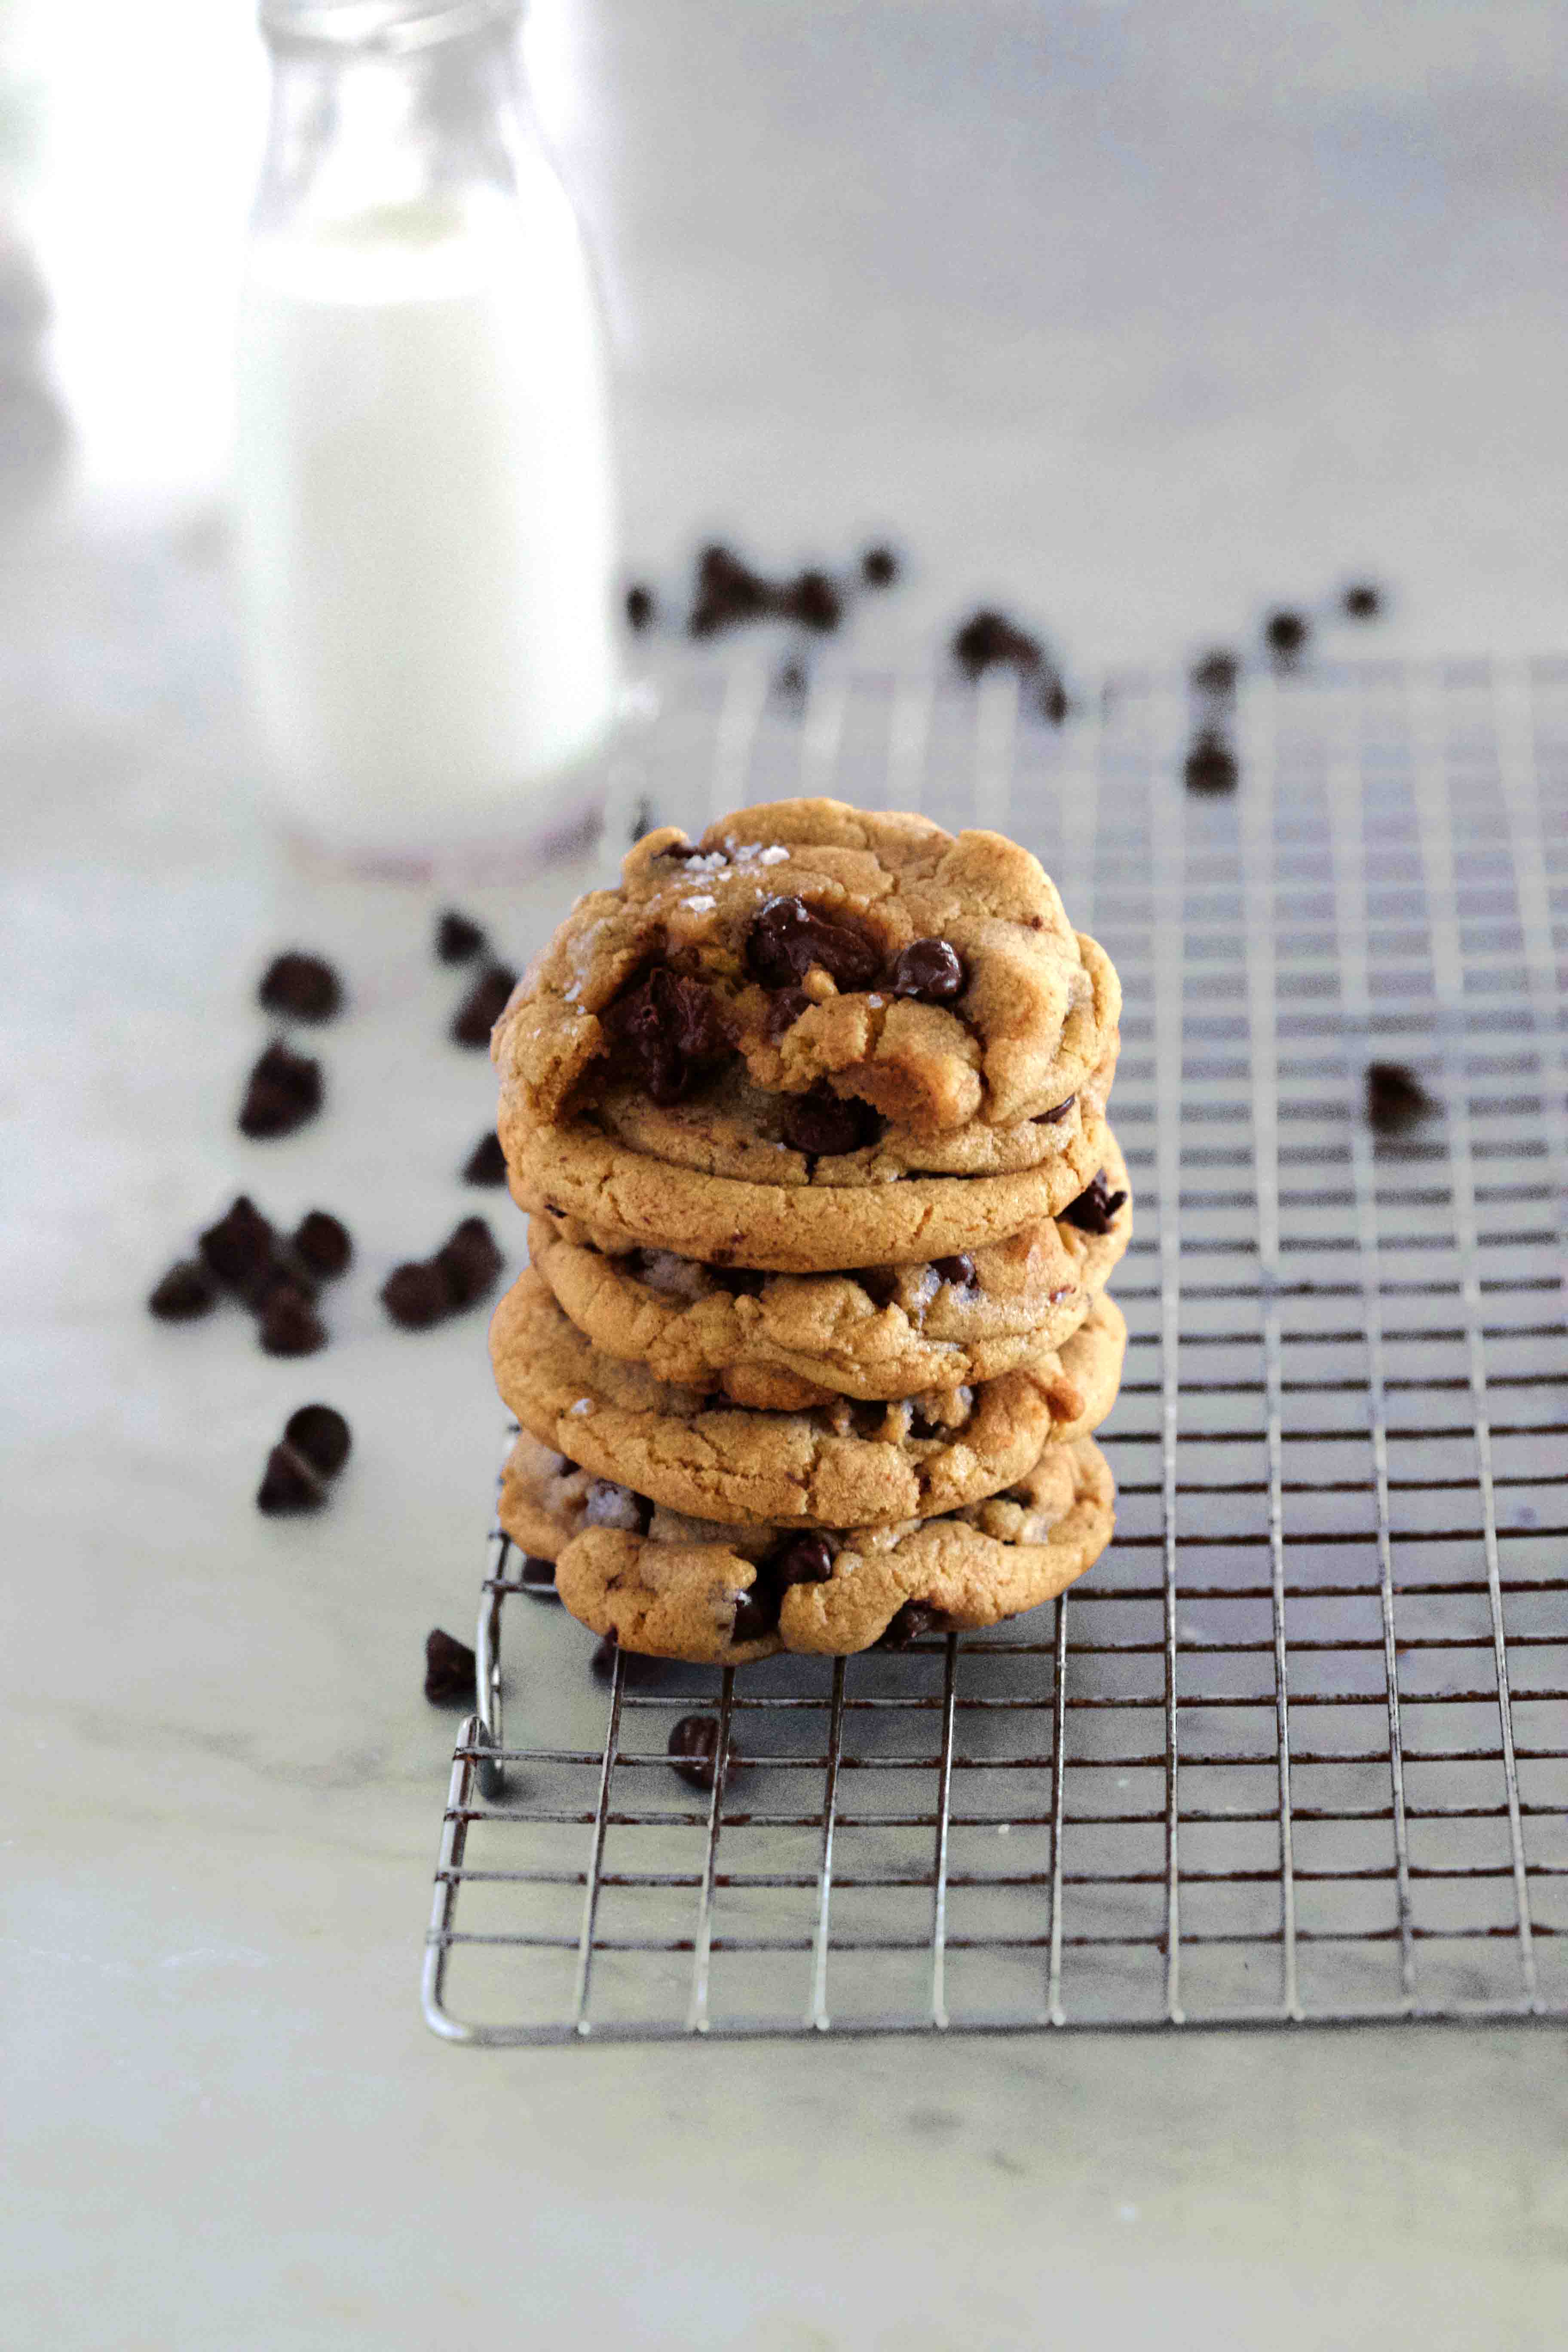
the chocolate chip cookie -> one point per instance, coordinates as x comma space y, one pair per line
676, 1586
784, 1342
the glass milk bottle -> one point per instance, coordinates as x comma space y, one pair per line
424, 488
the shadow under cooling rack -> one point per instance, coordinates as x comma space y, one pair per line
1297, 1748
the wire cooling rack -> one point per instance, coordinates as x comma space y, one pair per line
1297, 1748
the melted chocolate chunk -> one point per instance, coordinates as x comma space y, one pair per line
186, 1291
290, 1323
1051, 1117
1396, 1098
930, 970
693, 1748
641, 606
1215, 675
822, 1126
1361, 601
324, 1242
287, 1484
803, 1560
988, 639
239, 1246
283, 1090
1286, 633
757, 1611
785, 1010
958, 1270
1210, 765
458, 938
483, 1005
486, 1163
813, 599
912, 1622
319, 1435
303, 987
878, 567
448, 1671
468, 1262
787, 937
1095, 1209
416, 1295
667, 1028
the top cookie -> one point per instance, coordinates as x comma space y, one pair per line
838, 954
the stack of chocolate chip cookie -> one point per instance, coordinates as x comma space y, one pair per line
809, 1120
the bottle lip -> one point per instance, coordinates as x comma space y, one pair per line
389, 26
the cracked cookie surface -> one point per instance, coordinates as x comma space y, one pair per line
858, 958
783, 1341
706, 1591
838, 1466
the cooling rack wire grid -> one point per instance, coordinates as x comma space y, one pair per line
1296, 1748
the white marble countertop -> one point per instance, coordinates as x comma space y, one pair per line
225, 2124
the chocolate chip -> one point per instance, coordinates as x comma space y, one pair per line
322, 1240
301, 986
813, 599
290, 1323
1095, 1209
641, 606
756, 1612
468, 1262
1286, 634
667, 1028
878, 567
486, 1163
912, 1622
483, 1005
1215, 675
1210, 765
608, 1504
319, 1435
693, 1748
803, 1560
785, 1010
822, 1127
1053, 699
416, 1295
186, 1291
283, 1090
988, 639
458, 938
287, 1484
931, 970
448, 1671
281, 1271
728, 592
787, 937
240, 1246
538, 1573
791, 680
958, 1269
1361, 601
1396, 1098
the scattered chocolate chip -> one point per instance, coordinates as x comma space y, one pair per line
1210, 765
324, 1242
878, 567
1216, 674
931, 970
538, 1573
483, 1005
803, 1560
693, 1749
728, 592
1053, 699
641, 606
813, 599
458, 938
301, 986
824, 1127
988, 639
448, 1671
787, 937
1095, 1209
240, 1246
287, 1484
186, 1291
281, 1271
290, 1323
319, 1435
1286, 634
1361, 601
1396, 1098
784, 1009
958, 1270
486, 1163
283, 1090
468, 1262
912, 1622
669, 1028
608, 1504
416, 1295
